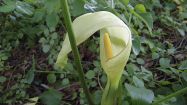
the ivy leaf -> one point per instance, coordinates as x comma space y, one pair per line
184, 75
23, 7
51, 97
52, 6
148, 19
183, 65
90, 74
140, 96
46, 48
51, 78
52, 20
38, 15
126, 2
77, 7
9, 6
138, 82
164, 62
30, 76
136, 44
33, 100
140, 8
2, 79
145, 17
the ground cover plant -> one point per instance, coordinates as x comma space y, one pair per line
32, 33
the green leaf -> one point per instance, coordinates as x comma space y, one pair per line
183, 65
97, 97
140, 8
77, 7
136, 44
23, 7
90, 74
34, 101
155, 55
140, 61
38, 15
138, 83
30, 76
9, 6
181, 31
148, 19
145, 74
46, 48
52, 20
52, 6
145, 17
184, 75
165, 82
51, 97
126, 2
140, 95
164, 62
2, 79
65, 81
51, 78
131, 68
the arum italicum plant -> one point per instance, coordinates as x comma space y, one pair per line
115, 47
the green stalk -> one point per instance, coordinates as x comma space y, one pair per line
72, 40
177, 93
109, 94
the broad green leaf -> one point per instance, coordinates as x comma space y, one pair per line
131, 68
46, 48
51, 78
126, 2
183, 65
77, 7
138, 83
181, 31
145, 74
155, 55
24, 8
34, 101
165, 70
180, 100
65, 81
52, 20
38, 15
148, 19
30, 76
140, 8
164, 62
145, 17
9, 6
2, 79
136, 44
150, 43
90, 74
140, 96
184, 15
51, 97
165, 83
140, 61
184, 75
97, 97
52, 6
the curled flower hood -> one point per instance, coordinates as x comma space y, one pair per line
120, 39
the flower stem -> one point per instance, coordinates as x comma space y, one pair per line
72, 40
177, 93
